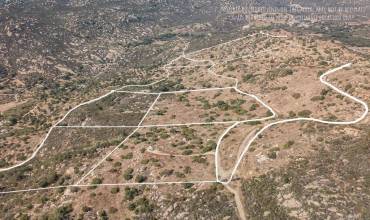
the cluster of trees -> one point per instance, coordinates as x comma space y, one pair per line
279, 72
168, 85
147, 40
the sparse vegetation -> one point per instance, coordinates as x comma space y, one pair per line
128, 174
52, 63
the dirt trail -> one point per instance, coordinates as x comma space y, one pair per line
10, 105
238, 202
226, 173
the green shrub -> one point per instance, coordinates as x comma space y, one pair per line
179, 175
97, 181
62, 212
86, 208
292, 114
113, 210
261, 199
296, 95
222, 105
253, 122
187, 170
189, 133
131, 193
253, 107
323, 63
211, 145
188, 185
272, 155
48, 179
140, 178
166, 172
128, 174
199, 159
248, 77
288, 144
320, 73
143, 205
12, 120
304, 113
127, 156
103, 215
23, 216
117, 164
187, 152
114, 190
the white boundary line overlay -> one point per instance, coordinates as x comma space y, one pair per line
106, 184
322, 80
132, 133
234, 123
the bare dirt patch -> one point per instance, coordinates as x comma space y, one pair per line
232, 146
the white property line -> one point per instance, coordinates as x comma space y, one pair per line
219, 141
126, 86
74, 108
109, 185
182, 124
160, 153
218, 146
49, 132
180, 91
322, 80
273, 36
228, 42
165, 125
174, 67
106, 156
132, 133
213, 64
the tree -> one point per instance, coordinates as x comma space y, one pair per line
128, 174
103, 215
131, 193
140, 178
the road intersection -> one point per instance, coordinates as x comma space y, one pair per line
232, 124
